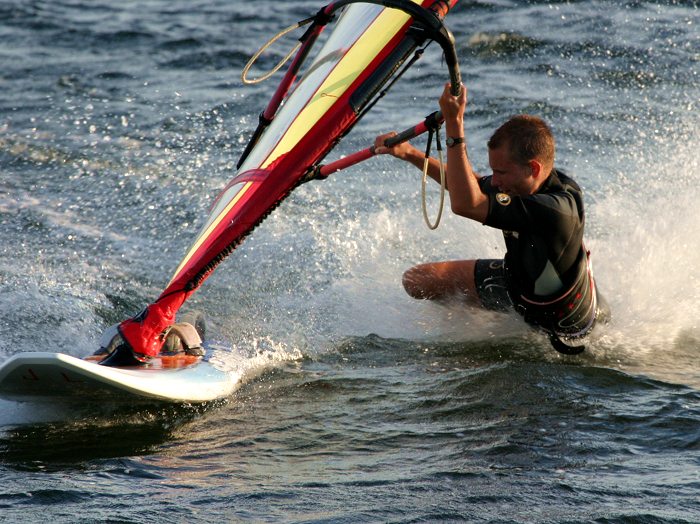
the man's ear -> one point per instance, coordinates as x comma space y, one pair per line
536, 168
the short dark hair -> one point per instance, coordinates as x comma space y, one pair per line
527, 137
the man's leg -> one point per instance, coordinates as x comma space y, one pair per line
442, 281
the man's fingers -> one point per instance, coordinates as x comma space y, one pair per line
379, 147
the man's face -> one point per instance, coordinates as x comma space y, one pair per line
509, 177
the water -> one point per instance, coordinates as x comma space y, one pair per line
119, 124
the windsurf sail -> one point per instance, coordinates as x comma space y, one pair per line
370, 43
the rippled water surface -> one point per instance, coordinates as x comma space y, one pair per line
120, 122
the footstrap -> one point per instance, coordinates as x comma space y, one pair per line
187, 334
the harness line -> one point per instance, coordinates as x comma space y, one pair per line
441, 206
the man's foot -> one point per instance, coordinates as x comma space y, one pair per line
567, 346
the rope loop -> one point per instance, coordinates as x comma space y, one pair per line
254, 58
441, 206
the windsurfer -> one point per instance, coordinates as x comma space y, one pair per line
545, 274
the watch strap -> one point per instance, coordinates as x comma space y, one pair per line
454, 140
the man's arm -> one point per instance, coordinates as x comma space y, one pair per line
466, 197
409, 153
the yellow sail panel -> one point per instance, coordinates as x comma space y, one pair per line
348, 68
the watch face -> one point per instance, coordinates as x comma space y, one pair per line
451, 141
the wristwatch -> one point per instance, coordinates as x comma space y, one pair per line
453, 141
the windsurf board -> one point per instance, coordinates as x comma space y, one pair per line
43, 376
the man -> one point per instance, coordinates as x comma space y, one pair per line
545, 275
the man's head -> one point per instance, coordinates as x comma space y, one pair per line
521, 155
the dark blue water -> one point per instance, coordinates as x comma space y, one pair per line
119, 123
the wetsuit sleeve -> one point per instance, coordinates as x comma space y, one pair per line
539, 212
488, 190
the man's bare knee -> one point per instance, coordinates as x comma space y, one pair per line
412, 283
422, 283
441, 280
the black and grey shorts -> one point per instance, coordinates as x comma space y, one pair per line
490, 278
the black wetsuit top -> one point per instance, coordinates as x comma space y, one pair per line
543, 233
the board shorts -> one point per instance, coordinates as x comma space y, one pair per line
492, 289
490, 279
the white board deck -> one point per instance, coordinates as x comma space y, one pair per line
42, 376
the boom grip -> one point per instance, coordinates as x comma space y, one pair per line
452, 62
455, 80
403, 136
432, 121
